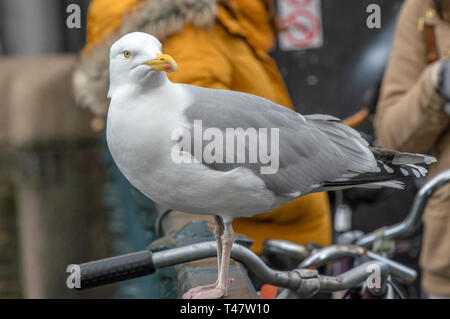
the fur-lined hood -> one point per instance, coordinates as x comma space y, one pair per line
161, 18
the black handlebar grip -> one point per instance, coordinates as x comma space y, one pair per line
114, 269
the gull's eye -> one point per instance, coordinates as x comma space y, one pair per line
127, 54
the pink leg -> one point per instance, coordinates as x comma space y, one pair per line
221, 288
218, 232
227, 244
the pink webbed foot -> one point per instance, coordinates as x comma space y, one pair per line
195, 290
205, 292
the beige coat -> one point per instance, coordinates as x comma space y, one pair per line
411, 118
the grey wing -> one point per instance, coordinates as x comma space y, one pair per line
312, 149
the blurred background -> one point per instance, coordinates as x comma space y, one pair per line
60, 200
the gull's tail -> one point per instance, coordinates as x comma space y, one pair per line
392, 164
369, 167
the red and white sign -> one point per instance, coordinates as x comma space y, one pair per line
303, 22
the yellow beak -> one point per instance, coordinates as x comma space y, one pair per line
163, 62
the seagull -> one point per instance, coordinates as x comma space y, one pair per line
229, 154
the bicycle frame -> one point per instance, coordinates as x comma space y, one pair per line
336, 252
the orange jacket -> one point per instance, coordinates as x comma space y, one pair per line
227, 50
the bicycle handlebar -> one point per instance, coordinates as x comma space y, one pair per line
114, 269
305, 282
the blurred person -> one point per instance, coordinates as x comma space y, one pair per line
413, 116
217, 44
